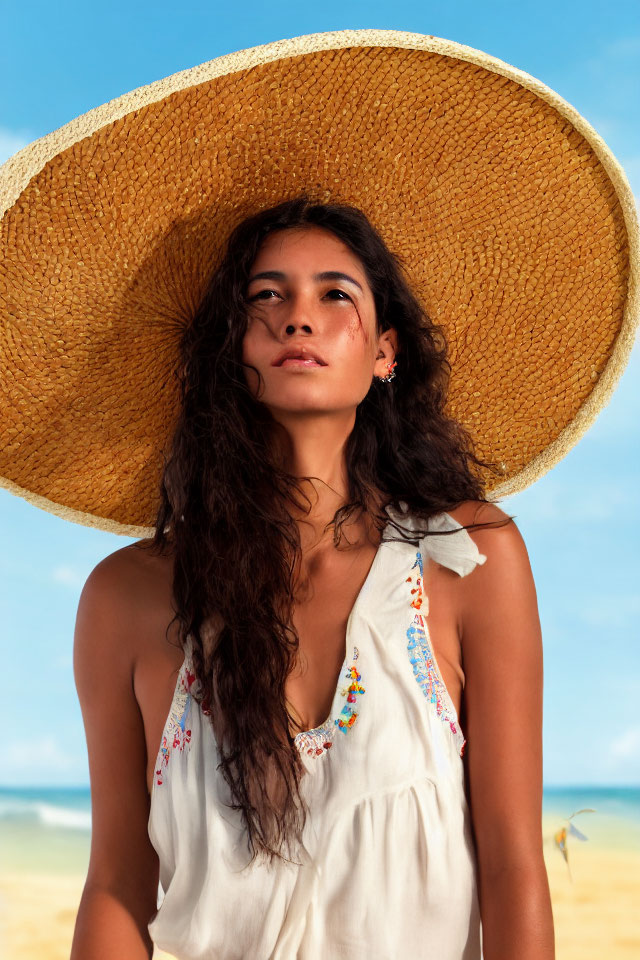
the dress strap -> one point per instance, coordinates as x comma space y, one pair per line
456, 551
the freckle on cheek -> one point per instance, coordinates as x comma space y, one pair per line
356, 329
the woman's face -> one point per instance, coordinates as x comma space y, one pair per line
332, 317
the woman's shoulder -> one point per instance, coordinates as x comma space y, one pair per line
496, 537
131, 570
477, 511
135, 586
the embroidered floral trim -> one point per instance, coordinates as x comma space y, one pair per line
319, 740
348, 712
177, 735
425, 667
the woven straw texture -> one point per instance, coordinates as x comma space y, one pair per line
516, 223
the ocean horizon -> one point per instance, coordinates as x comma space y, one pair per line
48, 829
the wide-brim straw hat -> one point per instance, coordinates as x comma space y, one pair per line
516, 224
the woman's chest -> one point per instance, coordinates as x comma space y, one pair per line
327, 636
327, 594
321, 618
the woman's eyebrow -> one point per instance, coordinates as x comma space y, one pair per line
326, 275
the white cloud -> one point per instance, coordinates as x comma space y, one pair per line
11, 141
68, 576
610, 611
42, 755
627, 745
623, 47
63, 662
617, 55
552, 498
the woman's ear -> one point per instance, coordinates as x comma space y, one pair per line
388, 345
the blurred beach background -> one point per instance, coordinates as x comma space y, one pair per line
580, 522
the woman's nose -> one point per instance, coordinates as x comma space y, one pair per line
299, 316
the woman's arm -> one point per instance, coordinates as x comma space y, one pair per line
121, 888
502, 660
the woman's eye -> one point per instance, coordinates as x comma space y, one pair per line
261, 294
341, 292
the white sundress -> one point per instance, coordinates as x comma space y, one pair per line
389, 867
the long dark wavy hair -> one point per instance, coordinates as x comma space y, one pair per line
225, 512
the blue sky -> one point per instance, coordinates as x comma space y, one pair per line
580, 522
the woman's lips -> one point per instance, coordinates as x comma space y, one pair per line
299, 362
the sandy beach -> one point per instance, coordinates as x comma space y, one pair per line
37, 916
595, 908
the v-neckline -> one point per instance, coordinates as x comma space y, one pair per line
347, 657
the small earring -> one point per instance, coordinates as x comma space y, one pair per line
391, 373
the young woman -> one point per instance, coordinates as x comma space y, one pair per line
313, 700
